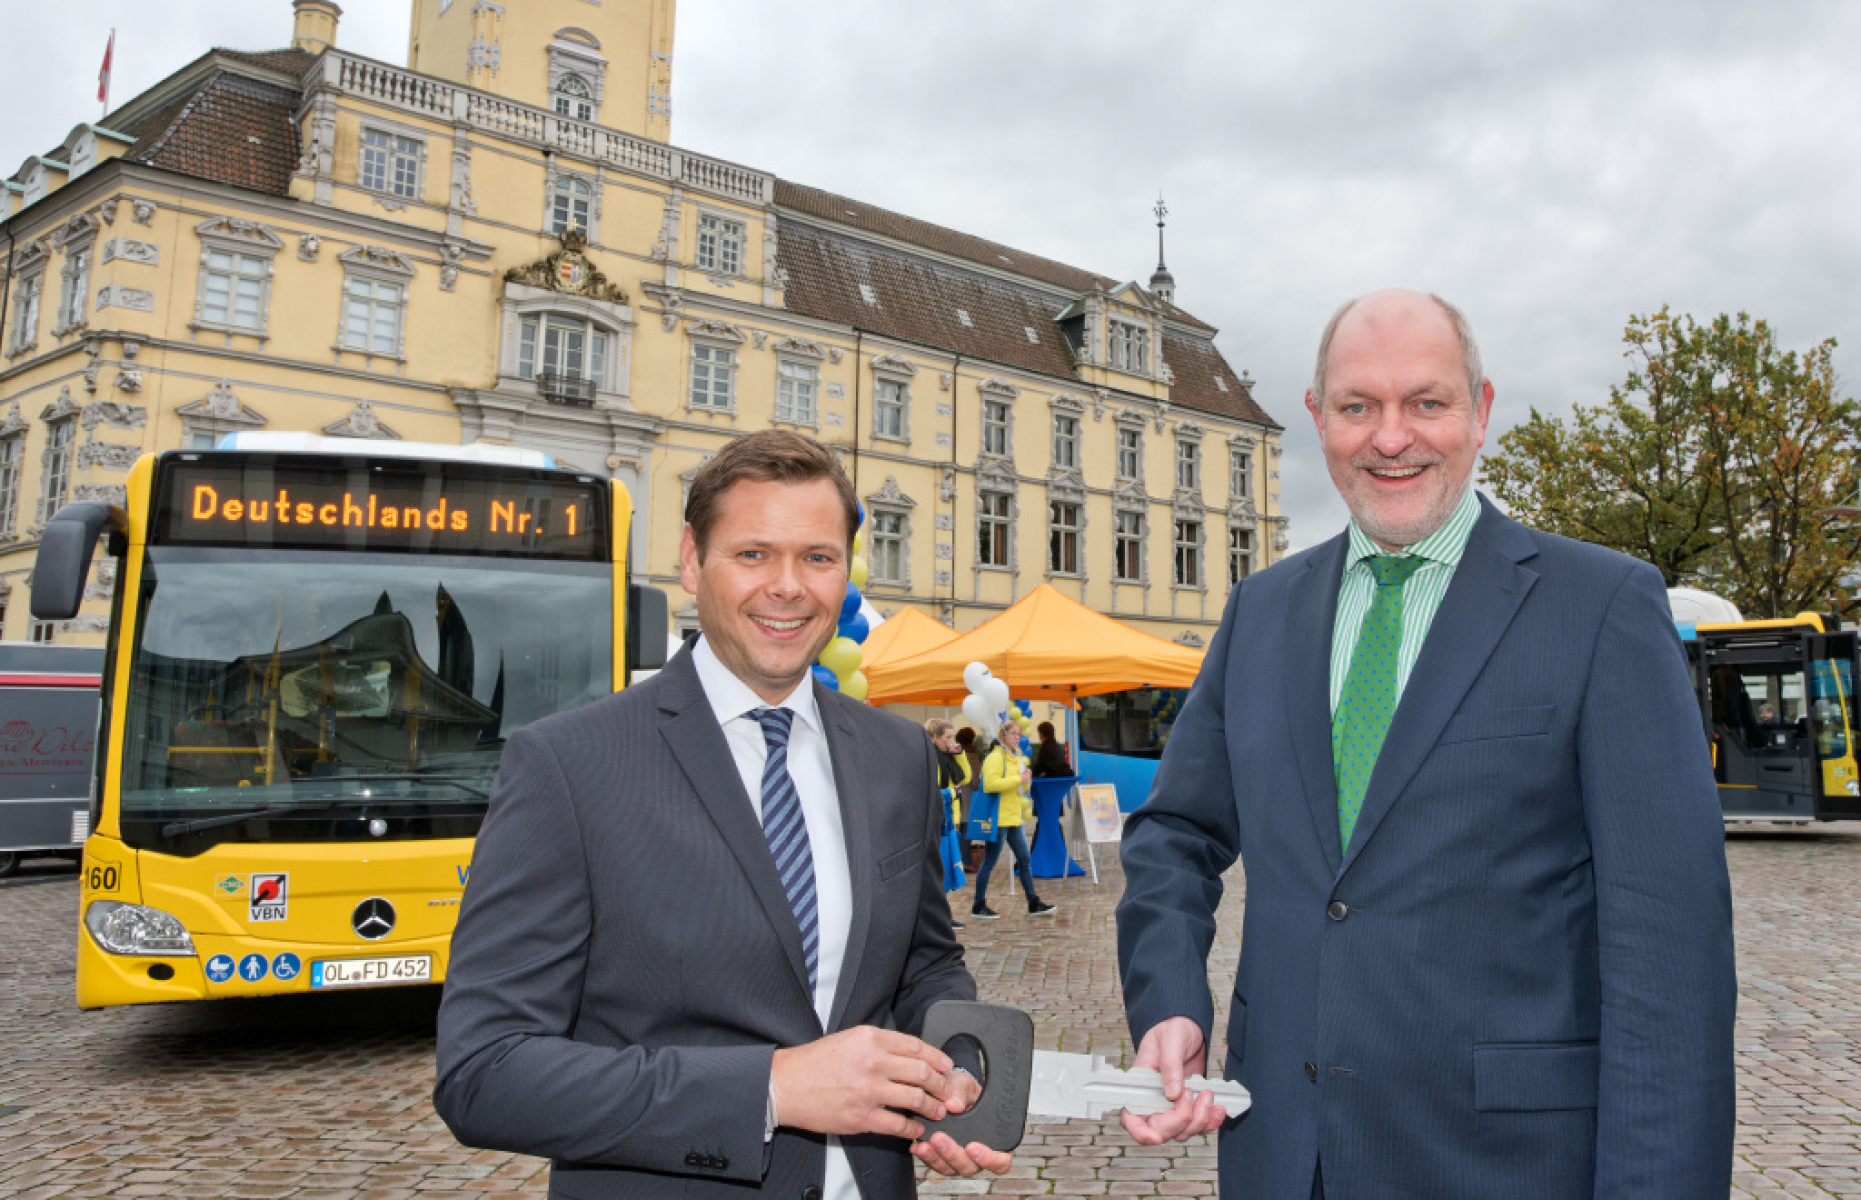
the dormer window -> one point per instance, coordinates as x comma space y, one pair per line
574, 98
1128, 347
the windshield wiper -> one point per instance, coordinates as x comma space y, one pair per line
175, 829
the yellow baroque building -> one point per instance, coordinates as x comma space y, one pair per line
499, 243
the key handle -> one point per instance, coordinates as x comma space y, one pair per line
1006, 1036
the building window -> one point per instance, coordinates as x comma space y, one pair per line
26, 313
12, 466
569, 204
574, 98
993, 528
1240, 555
1130, 347
72, 303
1188, 466
1240, 474
391, 163
1063, 529
1127, 547
233, 290
713, 377
888, 409
720, 245
1188, 554
373, 312
1065, 442
60, 447
1130, 453
885, 548
43, 632
995, 427
566, 357
796, 385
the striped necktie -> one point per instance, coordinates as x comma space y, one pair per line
787, 831
1369, 698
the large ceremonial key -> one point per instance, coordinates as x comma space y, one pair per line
1019, 1081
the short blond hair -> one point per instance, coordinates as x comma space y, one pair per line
936, 727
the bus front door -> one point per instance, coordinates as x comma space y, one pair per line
1766, 761
1832, 659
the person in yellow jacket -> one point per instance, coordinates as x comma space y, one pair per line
1005, 772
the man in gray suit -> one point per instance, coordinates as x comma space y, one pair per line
1487, 945
705, 913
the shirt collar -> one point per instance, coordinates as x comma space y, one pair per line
1445, 545
731, 698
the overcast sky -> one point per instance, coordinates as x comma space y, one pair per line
1552, 167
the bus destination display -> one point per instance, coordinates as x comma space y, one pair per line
426, 507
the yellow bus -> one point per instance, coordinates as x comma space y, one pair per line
316, 652
1778, 700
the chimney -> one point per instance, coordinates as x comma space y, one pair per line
313, 25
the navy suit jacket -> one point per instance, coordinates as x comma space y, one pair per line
1519, 980
626, 961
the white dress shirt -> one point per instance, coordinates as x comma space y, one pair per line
810, 766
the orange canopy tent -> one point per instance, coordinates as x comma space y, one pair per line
1046, 646
901, 636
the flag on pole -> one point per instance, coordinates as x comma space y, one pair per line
103, 76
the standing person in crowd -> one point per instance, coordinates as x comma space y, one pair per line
972, 755
1006, 773
1487, 947
705, 913
952, 775
1050, 761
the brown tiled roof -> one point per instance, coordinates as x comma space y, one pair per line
286, 62
1196, 365
916, 298
231, 129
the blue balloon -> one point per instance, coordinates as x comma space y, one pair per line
826, 677
1026, 707
849, 606
862, 515
856, 627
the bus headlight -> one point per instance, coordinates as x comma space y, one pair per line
134, 929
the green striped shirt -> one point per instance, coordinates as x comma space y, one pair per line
1421, 596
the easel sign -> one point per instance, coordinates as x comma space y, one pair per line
1098, 804
1096, 819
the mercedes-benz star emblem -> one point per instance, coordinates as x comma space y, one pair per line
373, 919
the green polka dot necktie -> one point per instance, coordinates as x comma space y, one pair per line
1369, 698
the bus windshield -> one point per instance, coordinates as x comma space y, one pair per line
310, 696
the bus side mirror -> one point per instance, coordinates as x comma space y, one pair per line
63, 564
646, 627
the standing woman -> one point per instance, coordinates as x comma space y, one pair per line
1005, 772
952, 774
1050, 760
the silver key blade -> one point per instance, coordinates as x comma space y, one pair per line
1085, 1085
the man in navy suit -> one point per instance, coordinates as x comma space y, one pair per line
1487, 949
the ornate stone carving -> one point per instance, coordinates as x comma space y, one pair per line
721, 331
60, 408
836, 391
114, 494
759, 338
80, 226
834, 420
460, 193
569, 270
891, 364
222, 407
1067, 402
14, 423
946, 411
379, 258
998, 387
128, 379
943, 381
889, 496
236, 229
133, 251
110, 456
946, 490
308, 245
102, 583
89, 623
360, 423
835, 354
114, 414
107, 210
115, 295
943, 439
451, 257
800, 348
944, 521
945, 551
1190, 639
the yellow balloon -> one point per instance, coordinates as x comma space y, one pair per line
854, 685
841, 656
859, 543
857, 576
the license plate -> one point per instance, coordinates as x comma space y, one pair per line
372, 972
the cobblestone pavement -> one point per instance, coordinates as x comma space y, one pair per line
329, 1095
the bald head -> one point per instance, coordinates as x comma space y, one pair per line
1397, 304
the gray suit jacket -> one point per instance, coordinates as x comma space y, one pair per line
626, 961
1518, 981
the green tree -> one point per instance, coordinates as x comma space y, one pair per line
1716, 459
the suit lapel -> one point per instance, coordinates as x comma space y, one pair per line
1312, 608
856, 794
697, 743
1488, 587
